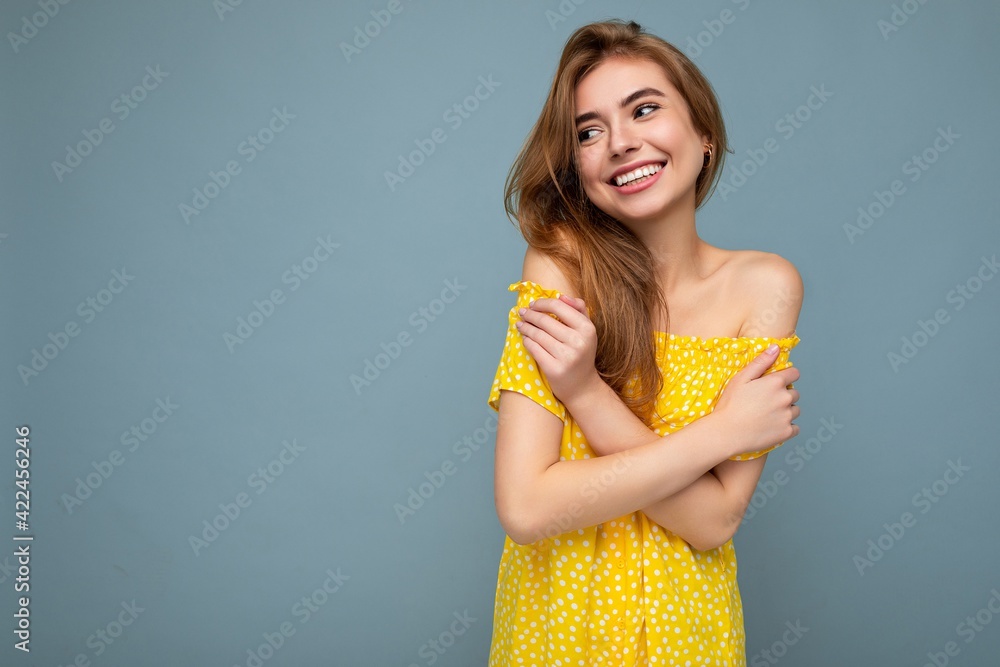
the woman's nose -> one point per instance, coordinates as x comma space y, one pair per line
622, 140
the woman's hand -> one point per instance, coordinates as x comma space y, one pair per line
759, 409
564, 348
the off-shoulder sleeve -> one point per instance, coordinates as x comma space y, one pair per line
517, 370
782, 362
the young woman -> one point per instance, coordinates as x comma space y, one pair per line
622, 469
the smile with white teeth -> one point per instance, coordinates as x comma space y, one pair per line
638, 175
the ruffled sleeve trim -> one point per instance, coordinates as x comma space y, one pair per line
533, 290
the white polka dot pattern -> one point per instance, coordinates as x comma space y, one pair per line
517, 371
626, 592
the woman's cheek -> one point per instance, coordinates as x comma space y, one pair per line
590, 170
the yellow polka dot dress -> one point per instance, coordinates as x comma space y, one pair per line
627, 592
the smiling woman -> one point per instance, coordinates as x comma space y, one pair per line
619, 549
656, 116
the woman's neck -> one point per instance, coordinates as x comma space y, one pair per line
681, 259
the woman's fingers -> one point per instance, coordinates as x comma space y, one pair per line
569, 316
576, 302
538, 353
535, 329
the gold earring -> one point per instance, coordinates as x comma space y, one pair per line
708, 155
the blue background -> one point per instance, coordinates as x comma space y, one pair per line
359, 449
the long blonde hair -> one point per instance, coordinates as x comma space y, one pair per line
609, 266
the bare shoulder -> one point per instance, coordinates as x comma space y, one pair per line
541, 269
759, 269
771, 288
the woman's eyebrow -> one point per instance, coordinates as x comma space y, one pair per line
642, 92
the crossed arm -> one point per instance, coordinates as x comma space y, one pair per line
707, 513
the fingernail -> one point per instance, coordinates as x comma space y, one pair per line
772, 348
521, 311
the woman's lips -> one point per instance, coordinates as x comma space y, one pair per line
639, 184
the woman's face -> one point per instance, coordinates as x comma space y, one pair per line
652, 129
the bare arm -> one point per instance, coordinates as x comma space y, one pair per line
707, 512
538, 495
700, 513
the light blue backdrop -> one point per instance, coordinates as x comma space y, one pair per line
200, 248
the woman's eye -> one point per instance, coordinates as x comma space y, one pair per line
649, 106
583, 136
